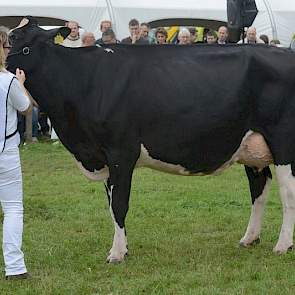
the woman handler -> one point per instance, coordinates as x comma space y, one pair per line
13, 98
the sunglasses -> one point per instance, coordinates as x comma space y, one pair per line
7, 47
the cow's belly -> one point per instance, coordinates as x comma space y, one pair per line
253, 152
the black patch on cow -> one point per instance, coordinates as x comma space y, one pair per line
257, 180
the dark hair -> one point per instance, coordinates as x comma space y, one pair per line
192, 30
264, 38
211, 33
275, 41
146, 24
109, 32
161, 30
133, 22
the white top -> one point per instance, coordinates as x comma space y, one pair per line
258, 41
17, 101
72, 43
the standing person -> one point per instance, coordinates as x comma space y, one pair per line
222, 35
13, 98
194, 35
104, 26
161, 36
73, 40
184, 37
251, 37
88, 39
211, 37
135, 37
109, 37
264, 38
145, 30
275, 42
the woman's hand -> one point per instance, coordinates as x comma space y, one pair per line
21, 76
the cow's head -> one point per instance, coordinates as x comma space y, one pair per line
27, 41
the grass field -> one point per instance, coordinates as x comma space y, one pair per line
183, 234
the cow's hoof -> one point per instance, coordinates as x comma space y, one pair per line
113, 260
248, 244
116, 258
279, 250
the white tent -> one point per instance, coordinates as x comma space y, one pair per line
276, 18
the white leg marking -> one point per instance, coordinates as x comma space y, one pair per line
255, 221
119, 248
287, 192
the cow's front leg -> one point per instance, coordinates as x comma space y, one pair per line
119, 248
286, 182
118, 191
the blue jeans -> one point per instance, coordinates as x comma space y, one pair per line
35, 122
21, 127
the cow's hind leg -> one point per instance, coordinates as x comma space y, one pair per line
259, 183
118, 191
286, 181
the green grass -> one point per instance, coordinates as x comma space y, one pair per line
183, 234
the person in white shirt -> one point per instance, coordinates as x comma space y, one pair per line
251, 37
73, 40
13, 98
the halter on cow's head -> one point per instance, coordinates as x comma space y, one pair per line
27, 40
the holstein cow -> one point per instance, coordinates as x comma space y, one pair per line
188, 110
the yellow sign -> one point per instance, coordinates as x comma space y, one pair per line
173, 31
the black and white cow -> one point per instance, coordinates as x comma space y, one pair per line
181, 109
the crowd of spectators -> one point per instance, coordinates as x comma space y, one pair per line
139, 33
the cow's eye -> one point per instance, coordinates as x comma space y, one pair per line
12, 37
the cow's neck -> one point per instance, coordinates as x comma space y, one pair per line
57, 81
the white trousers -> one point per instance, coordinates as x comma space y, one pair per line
11, 198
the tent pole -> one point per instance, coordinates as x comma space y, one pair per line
112, 16
271, 19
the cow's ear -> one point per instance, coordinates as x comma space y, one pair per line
32, 21
27, 21
58, 35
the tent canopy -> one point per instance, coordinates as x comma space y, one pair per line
276, 18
